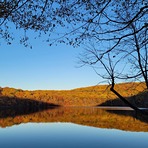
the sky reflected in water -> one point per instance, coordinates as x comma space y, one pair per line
69, 135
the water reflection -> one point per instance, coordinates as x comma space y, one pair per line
68, 135
96, 117
11, 106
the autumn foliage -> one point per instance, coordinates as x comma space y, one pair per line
87, 96
88, 116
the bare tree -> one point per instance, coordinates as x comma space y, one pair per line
75, 22
46, 16
117, 28
113, 70
125, 46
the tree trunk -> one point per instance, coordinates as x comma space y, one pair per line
127, 102
124, 100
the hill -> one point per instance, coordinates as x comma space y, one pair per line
87, 96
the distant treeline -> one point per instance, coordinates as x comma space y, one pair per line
88, 96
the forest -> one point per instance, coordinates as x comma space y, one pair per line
99, 95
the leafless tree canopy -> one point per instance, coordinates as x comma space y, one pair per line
82, 20
117, 30
113, 31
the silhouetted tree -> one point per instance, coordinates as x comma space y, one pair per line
121, 46
117, 29
82, 20
0, 91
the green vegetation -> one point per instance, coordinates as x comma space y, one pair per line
88, 96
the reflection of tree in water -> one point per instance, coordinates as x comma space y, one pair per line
85, 116
143, 117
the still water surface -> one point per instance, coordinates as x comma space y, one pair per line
74, 128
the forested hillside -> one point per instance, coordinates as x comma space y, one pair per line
87, 96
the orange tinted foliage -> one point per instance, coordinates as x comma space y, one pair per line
88, 96
85, 116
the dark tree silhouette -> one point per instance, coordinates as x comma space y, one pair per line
121, 46
83, 20
116, 29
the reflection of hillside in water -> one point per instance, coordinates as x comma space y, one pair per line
85, 116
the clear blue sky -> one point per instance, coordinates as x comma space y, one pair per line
43, 67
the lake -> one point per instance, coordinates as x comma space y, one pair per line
73, 127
